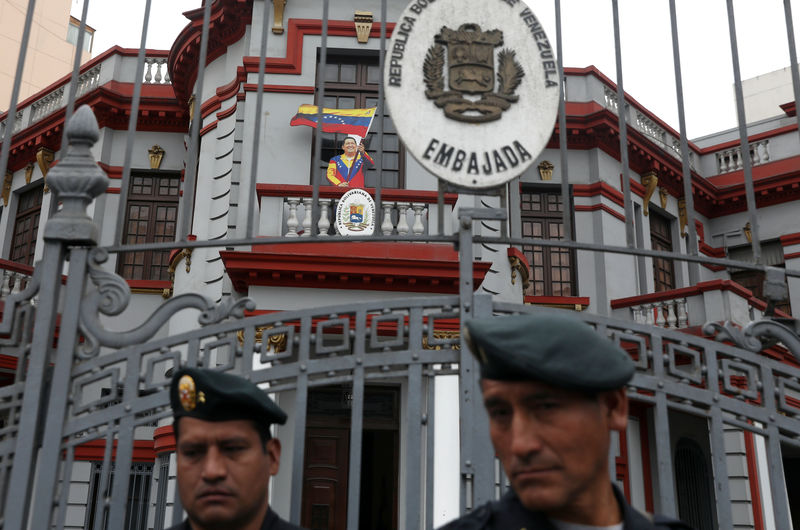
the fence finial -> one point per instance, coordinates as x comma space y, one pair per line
76, 180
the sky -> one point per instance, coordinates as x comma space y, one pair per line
588, 37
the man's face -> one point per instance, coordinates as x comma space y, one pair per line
223, 472
553, 443
350, 147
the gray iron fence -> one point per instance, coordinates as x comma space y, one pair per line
56, 401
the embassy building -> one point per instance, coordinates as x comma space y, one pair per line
216, 198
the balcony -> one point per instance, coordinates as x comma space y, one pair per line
15, 277
691, 307
404, 212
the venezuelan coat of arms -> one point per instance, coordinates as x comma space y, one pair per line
471, 70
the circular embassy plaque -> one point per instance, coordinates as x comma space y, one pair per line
472, 87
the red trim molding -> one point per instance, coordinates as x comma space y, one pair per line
790, 239
790, 108
164, 440
602, 189
425, 267
94, 450
599, 208
793, 255
334, 192
558, 301
752, 475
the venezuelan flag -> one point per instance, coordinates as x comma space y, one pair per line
348, 121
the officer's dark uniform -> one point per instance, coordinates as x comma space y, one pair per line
214, 396
557, 350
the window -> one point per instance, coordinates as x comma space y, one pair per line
150, 217
138, 497
351, 82
73, 31
552, 268
26, 225
661, 239
161, 492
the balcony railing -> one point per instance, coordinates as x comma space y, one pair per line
403, 212
731, 159
715, 300
15, 277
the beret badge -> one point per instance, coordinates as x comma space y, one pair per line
187, 392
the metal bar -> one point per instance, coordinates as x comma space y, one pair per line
132, 122
65, 487
262, 65
745, 145
694, 269
623, 133
33, 398
107, 468
483, 453
73, 84
315, 169
59, 387
414, 445
380, 112
11, 117
777, 481
787, 7
562, 129
664, 469
301, 402
466, 365
190, 181
430, 418
720, 468
356, 424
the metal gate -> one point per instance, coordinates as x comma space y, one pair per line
65, 353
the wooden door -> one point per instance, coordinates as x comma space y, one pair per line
325, 478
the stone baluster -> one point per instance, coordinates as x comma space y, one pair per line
418, 228
739, 159
148, 75
324, 222
636, 312
307, 217
292, 222
765, 156
387, 226
5, 287
672, 319
158, 77
648, 314
755, 157
683, 313
402, 222
661, 310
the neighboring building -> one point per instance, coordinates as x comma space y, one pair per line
660, 292
51, 47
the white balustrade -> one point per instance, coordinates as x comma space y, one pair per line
402, 218
731, 159
47, 105
667, 313
156, 72
89, 80
12, 282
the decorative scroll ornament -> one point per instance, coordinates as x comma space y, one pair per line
156, 156
29, 173
518, 267
471, 70
45, 157
7, 187
649, 181
546, 170
112, 295
748, 232
664, 194
758, 335
682, 216
277, 25
363, 22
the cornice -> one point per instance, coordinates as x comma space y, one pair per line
415, 267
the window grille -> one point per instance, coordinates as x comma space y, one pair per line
138, 497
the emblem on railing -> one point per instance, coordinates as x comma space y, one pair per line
355, 214
483, 103
471, 70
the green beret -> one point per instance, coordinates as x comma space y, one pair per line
215, 396
553, 348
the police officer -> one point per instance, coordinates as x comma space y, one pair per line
225, 452
554, 389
